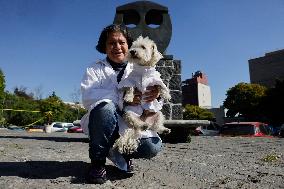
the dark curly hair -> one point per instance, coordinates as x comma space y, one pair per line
101, 46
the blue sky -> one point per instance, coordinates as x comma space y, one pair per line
47, 44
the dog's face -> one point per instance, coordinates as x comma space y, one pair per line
143, 52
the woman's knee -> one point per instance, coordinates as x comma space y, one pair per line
104, 108
149, 147
104, 114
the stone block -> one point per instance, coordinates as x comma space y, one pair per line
177, 112
176, 97
167, 111
175, 82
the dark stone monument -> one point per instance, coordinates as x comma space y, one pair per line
153, 20
142, 15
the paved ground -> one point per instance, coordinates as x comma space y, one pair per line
60, 160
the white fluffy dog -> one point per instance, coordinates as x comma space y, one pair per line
143, 56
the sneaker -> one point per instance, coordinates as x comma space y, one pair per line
130, 166
97, 175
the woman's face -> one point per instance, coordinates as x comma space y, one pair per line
116, 47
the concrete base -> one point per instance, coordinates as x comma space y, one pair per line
185, 123
181, 130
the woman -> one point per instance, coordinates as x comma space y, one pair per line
103, 122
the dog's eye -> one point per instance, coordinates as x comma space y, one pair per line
143, 47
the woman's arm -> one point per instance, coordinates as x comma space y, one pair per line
151, 94
92, 89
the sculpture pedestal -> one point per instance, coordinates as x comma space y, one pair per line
171, 75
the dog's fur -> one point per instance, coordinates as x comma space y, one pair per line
144, 55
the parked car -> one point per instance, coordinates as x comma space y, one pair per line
35, 128
60, 126
15, 128
275, 129
2, 127
77, 122
256, 129
281, 131
75, 129
212, 129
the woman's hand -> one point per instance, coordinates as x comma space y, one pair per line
152, 93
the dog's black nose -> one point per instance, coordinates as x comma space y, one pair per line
132, 52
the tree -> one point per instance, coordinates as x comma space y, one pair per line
244, 99
2, 87
21, 112
54, 105
22, 92
273, 103
22, 108
193, 112
75, 96
38, 92
2, 95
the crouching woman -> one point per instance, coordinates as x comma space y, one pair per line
103, 121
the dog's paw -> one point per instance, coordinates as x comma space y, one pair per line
129, 94
128, 98
165, 95
145, 126
165, 131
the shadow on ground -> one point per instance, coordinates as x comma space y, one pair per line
55, 139
77, 170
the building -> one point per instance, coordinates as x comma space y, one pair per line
219, 114
265, 70
74, 105
196, 91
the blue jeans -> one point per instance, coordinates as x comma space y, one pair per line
103, 131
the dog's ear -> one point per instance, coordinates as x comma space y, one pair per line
140, 38
156, 55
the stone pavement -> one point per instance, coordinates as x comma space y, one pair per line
60, 160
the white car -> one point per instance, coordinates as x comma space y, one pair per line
60, 126
212, 129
